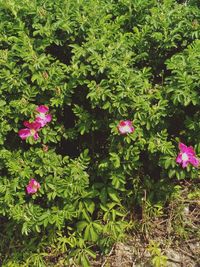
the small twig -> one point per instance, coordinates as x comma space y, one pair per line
172, 260
192, 240
192, 201
187, 253
110, 253
191, 213
161, 222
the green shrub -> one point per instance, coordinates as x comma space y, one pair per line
93, 63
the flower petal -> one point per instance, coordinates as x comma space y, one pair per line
190, 150
185, 163
194, 161
48, 118
125, 127
24, 133
32, 125
27, 124
32, 186
35, 136
182, 147
36, 125
43, 120
122, 123
42, 109
179, 158
186, 156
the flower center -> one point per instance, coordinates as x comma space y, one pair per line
184, 157
126, 128
32, 131
42, 116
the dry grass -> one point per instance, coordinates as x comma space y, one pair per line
176, 233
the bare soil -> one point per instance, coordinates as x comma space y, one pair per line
134, 253
177, 233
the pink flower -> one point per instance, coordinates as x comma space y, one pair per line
31, 130
32, 186
42, 117
187, 155
125, 127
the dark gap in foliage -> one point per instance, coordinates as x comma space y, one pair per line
3, 170
72, 147
28, 20
189, 3
158, 64
57, 201
153, 171
98, 77
14, 142
3, 220
44, 98
101, 142
4, 45
62, 35
181, 1
160, 191
95, 142
191, 110
194, 3
68, 117
68, 147
176, 123
62, 53
80, 96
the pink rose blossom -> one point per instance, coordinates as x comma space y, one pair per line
187, 155
32, 186
125, 127
31, 130
42, 117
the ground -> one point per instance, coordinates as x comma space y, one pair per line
171, 240
135, 254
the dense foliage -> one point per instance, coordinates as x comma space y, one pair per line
93, 64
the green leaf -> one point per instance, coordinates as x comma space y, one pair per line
113, 194
2, 103
81, 225
85, 261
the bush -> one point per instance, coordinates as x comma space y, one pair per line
93, 64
